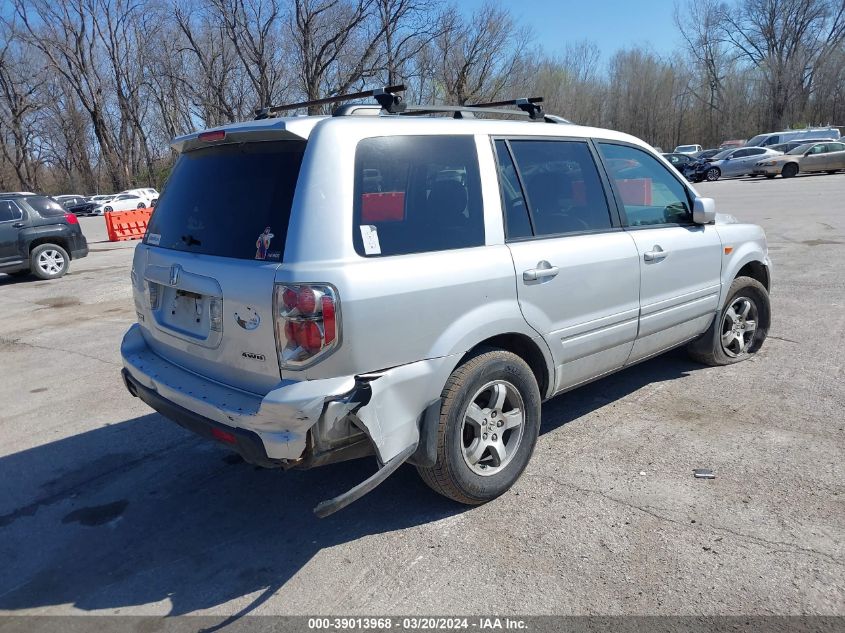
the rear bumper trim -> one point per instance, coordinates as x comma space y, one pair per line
247, 443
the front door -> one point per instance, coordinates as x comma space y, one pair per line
577, 272
680, 262
11, 221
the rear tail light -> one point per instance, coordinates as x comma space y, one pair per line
70, 218
306, 322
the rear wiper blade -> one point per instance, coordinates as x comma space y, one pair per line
190, 240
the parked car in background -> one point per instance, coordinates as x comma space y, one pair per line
733, 143
736, 162
707, 153
809, 134
121, 202
688, 149
690, 167
70, 200
149, 195
82, 208
791, 145
38, 235
807, 158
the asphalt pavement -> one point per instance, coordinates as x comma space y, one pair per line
106, 507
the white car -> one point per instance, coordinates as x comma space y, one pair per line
688, 149
103, 198
149, 195
121, 202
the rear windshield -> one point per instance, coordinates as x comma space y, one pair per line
415, 194
46, 207
229, 201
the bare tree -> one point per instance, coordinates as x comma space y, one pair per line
480, 55
784, 40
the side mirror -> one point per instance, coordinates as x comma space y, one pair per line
704, 211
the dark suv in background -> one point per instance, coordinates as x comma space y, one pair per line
37, 235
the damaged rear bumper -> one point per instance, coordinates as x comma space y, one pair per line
298, 423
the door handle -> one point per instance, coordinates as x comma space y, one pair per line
544, 270
18, 225
656, 254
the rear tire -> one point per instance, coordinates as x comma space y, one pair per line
489, 422
739, 329
712, 174
49, 261
770, 176
789, 170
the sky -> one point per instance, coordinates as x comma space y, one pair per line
611, 24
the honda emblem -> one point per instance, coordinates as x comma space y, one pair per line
174, 274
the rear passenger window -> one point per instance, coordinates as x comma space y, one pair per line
416, 194
649, 193
562, 186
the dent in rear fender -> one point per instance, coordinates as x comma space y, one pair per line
399, 398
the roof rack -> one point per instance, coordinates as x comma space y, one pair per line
386, 97
391, 103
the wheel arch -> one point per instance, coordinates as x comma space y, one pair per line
528, 349
53, 239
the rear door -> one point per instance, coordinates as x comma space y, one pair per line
577, 271
204, 273
680, 262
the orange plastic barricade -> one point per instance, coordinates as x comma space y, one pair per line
127, 225
635, 191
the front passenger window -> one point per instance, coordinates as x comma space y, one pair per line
9, 211
649, 193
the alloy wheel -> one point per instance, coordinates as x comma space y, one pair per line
493, 427
51, 261
739, 326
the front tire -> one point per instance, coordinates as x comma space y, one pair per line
49, 261
789, 170
489, 423
141, 205
740, 328
713, 174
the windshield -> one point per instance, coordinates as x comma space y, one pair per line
800, 149
754, 142
229, 200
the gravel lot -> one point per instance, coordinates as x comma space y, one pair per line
106, 507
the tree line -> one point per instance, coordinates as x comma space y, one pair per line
92, 91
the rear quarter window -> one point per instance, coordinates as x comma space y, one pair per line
416, 194
46, 207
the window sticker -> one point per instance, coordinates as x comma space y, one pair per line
369, 235
153, 239
263, 243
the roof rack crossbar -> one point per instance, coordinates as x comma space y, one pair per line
526, 104
385, 94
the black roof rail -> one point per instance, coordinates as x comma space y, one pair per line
386, 98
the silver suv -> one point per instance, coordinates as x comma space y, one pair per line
315, 289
